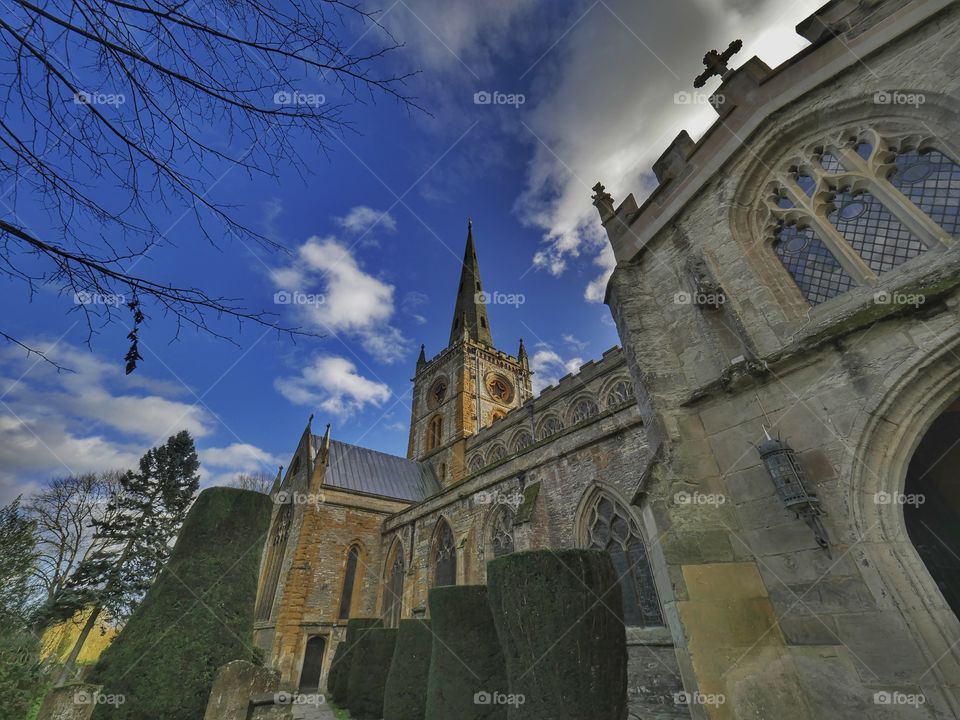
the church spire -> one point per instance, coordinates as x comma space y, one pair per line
470, 312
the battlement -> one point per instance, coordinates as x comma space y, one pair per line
841, 32
590, 381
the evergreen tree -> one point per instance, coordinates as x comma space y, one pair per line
134, 542
20, 667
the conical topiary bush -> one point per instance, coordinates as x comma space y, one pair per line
466, 665
355, 628
197, 615
369, 667
335, 667
405, 697
559, 617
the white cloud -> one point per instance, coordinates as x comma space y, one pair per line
333, 384
606, 109
573, 342
363, 219
458, 36
354, 302
412, 302
222, 465
94, 418
548, 367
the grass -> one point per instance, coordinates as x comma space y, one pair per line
339, 712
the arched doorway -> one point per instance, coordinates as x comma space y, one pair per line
312, 664
931, 503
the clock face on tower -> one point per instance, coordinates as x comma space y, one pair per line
500, 389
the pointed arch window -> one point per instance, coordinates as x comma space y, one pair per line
497, 452
620, 393
394, 589
476, 463
349, 581
551, 426
275, 554
610, 526
583, 409
522, 440
850, 208
501, 532
435, 433
444, 556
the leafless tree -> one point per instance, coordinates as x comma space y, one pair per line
63, 511
258, 482
121, 116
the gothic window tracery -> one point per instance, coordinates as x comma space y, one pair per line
394, 596
349, 581
610, 526
497, 452
275, 555
620, 393
551, 426
583, 409
522, 440
501, 532
859, 204
444, 556
476, 464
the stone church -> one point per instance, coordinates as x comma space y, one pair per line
772, 458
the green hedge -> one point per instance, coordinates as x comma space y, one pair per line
164, 660
559, 618
335, 667
369, 668
340, 685
405, 697
466, 664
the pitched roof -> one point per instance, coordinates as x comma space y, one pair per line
352, 467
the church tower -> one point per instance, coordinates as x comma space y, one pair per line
469, 385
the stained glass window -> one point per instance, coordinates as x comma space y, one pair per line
444, 557
349, 580
812, 266
873, 231
834, 197
932, 182
611, 527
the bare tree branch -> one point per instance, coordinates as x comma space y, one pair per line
121, 114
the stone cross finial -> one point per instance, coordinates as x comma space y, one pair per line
717, 63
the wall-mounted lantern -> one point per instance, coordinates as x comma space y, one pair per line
791, 483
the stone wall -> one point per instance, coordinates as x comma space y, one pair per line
763, 617
546, 485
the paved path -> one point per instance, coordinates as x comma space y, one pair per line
312, 712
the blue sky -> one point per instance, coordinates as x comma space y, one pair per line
377, 228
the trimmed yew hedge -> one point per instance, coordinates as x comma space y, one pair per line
465, 659
405, 697
335, 667
339, 686
369, 668
164, 660
546, 610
